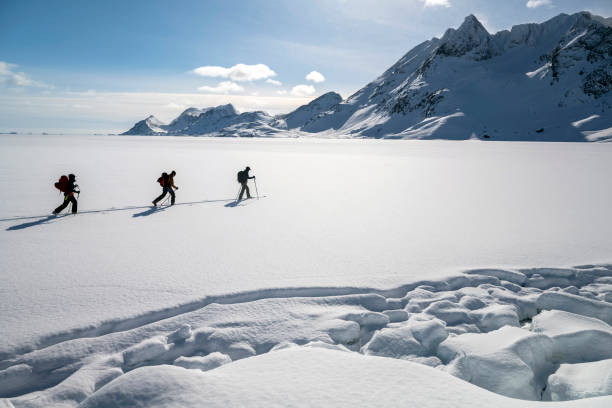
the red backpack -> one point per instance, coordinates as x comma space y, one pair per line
161, 179
62, 184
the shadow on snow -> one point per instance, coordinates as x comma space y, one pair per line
47, 219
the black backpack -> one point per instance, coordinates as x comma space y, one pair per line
242, 176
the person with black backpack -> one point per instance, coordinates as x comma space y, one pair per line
68, 186
167, 182
243, 178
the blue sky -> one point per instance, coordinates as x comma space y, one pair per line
102, 65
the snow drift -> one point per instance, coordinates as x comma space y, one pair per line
264, 341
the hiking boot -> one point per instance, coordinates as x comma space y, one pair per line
154, 203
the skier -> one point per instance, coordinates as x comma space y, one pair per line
243, 178
167, 182
171, 180
67, 186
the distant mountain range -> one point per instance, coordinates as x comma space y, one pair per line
547, 82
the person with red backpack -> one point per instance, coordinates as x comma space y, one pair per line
68, 186
167, 182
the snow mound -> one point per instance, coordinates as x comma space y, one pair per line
327, 378
495, 317
179, 335
205, 363
576, 304
507, 275
576, 338
583, 380
509, 361
415, 338
149, 349
451, 313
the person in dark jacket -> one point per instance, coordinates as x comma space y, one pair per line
243, 179
69, 196
167, 182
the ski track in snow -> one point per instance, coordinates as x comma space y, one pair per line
543, 332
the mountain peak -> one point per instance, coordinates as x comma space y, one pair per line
470, 38
227, 108
334, 96
191, 111
471, 25
471, 20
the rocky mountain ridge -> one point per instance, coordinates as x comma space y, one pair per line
548, 81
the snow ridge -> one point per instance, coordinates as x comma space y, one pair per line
528, 327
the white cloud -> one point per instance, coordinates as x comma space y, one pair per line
315, 76
239, 72
274, 82
224, 87
8, 76
436, 3
283, 92
538, 3
303, 90
174, 106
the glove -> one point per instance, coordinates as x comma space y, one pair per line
176, 188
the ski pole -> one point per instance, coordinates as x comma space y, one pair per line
256, 191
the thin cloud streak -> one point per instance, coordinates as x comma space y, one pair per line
123, 109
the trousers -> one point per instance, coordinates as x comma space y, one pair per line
68, 198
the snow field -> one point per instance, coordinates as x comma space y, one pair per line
534, 358
355, 249
356, 213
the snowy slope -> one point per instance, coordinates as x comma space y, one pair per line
507, 86
148, 126
304, 114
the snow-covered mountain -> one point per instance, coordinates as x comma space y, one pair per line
225, 120
548, 81
305, 113
534, 82
194, 121
148, 126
